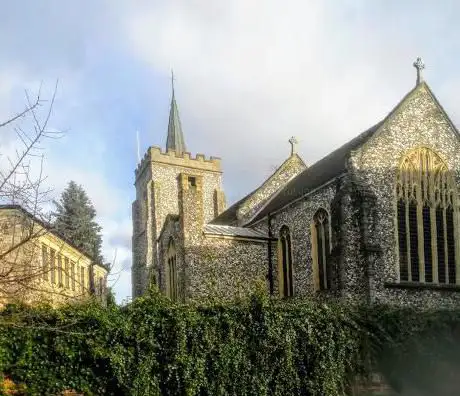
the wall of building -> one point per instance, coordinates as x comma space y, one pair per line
298, 217
222, 269
172, 231
143, 229
420, 122
362, 208
26, 271
157, 196
209, 267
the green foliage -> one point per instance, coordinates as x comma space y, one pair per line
255, 347
417, 351
75, 221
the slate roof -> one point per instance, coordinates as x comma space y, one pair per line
224, 230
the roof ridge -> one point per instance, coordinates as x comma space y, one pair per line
51, 229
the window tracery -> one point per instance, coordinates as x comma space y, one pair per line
426, 217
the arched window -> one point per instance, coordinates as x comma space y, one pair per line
426, 212
320, 242
171, 271
285, 282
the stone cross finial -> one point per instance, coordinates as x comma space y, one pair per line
293, 142
419, 65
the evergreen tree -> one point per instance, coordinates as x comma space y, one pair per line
75, 221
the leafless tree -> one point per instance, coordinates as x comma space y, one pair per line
22, 185
21, 170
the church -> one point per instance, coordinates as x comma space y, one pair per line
374, 221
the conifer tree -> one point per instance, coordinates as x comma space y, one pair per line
75, 221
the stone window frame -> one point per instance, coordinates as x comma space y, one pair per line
427, 198
66, 273
171, 270
285, 267
73, 275
101, 286
58, 269
52, 258
326, 264
60, 260
45, 262
82, 279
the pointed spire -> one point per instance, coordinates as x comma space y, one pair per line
175, 140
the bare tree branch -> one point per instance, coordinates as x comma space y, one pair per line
28, 109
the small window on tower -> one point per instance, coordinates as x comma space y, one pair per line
192, 181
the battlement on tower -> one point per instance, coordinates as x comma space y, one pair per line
157, 155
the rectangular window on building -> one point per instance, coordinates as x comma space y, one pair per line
66, 273
192, 181
45, 264
82, 279
72, 266
77, 276
101, 286
59, 270
53, 265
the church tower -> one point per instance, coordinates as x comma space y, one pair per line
157, 180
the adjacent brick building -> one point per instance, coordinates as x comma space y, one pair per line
38, 265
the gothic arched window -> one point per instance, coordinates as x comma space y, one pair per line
320, 242
426, 213
285, 279
171, 271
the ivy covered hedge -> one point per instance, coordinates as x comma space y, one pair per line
257, 347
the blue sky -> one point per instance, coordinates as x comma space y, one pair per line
249, 74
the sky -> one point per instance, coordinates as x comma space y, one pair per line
249, 75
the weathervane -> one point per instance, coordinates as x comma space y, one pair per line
293, 142
419, 65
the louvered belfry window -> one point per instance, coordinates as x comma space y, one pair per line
426, 213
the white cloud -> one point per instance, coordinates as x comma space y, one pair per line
252, 74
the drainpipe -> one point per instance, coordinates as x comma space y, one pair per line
270, 261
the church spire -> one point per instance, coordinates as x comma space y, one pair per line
175, 140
